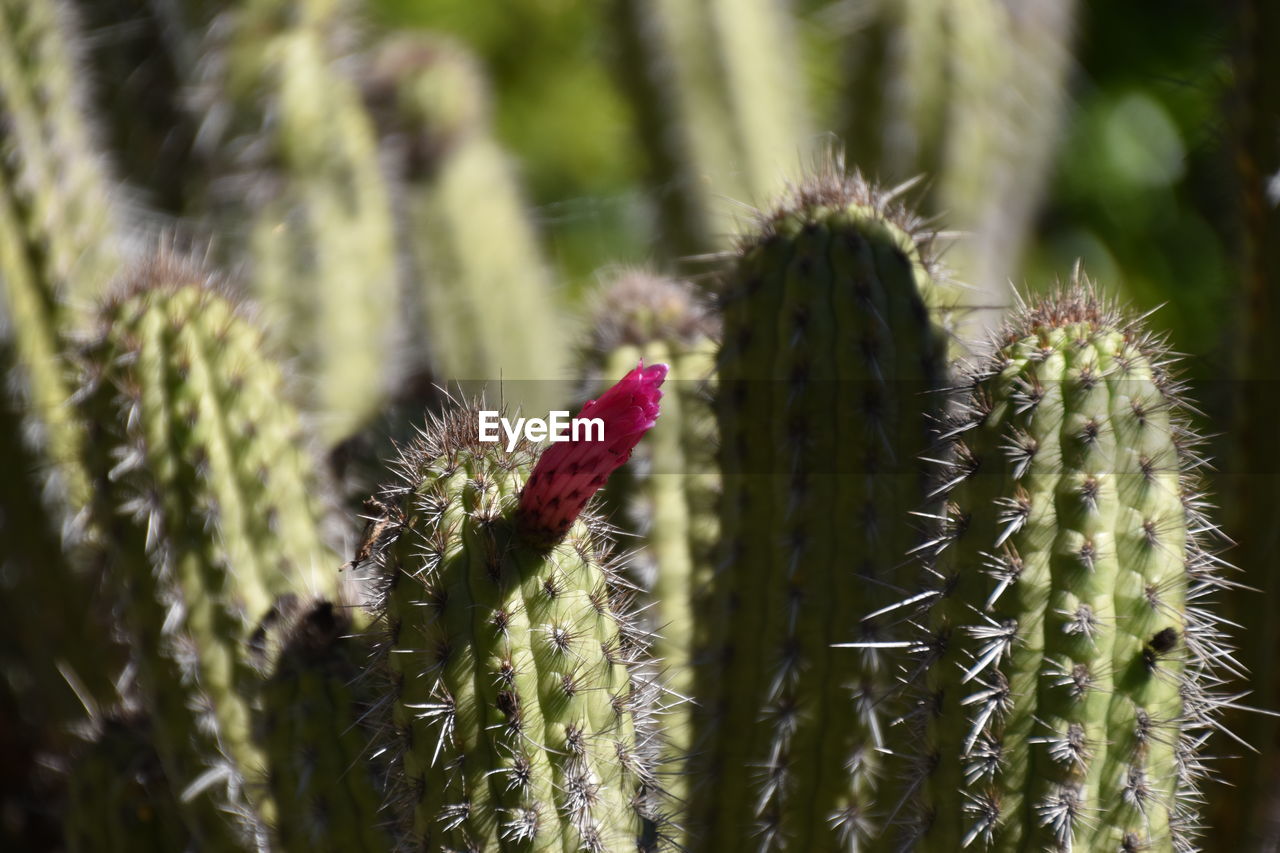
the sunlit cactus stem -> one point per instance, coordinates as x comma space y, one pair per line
507, 641
1066, 669
489, 307
205, 500
828, 372
667, 499
717, 103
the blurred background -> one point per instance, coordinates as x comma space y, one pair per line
1137, 174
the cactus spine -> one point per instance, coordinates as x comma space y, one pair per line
313, 730
485, 291
829, 353
670, 499
510, 664
1067, 654
203, 492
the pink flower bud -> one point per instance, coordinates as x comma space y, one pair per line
569, 472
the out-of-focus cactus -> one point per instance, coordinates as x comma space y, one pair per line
1067, 658
482, 286
970, 93
830, 353
313, 728
300, 181
207, 506
507, 639
669, 498
118, 796
59, 244
719, 107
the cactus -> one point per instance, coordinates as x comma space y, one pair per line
207, 504
829, 351
312, 730
669, 501
486, 294
718, 108
1067, 658
59, 244
118, 796
300, 181
507, 643
970, 93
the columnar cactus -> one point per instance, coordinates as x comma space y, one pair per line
206, 505
970, 93
59, 246
481, 283
302, 176
715, 92
118, 796
1067, 656
314, 731
829, 357
669, 500
507, 641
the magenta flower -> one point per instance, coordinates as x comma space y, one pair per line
569, 472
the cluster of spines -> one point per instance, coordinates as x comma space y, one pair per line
1067, 667
829, 354
205, 504
313, 726
669, 500
517, 712
481, 283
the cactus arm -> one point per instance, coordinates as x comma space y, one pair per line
510, 667
490, 303
1066, 679
715, 89
186, 413
311, 727
820, 422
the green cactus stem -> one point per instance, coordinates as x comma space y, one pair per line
118, 798
669, 500
510, 654
971, 93
829, 354
483, 287
1067, 653
718, 105
208, 507
58, 247
50, 170
300, 181
313, 729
